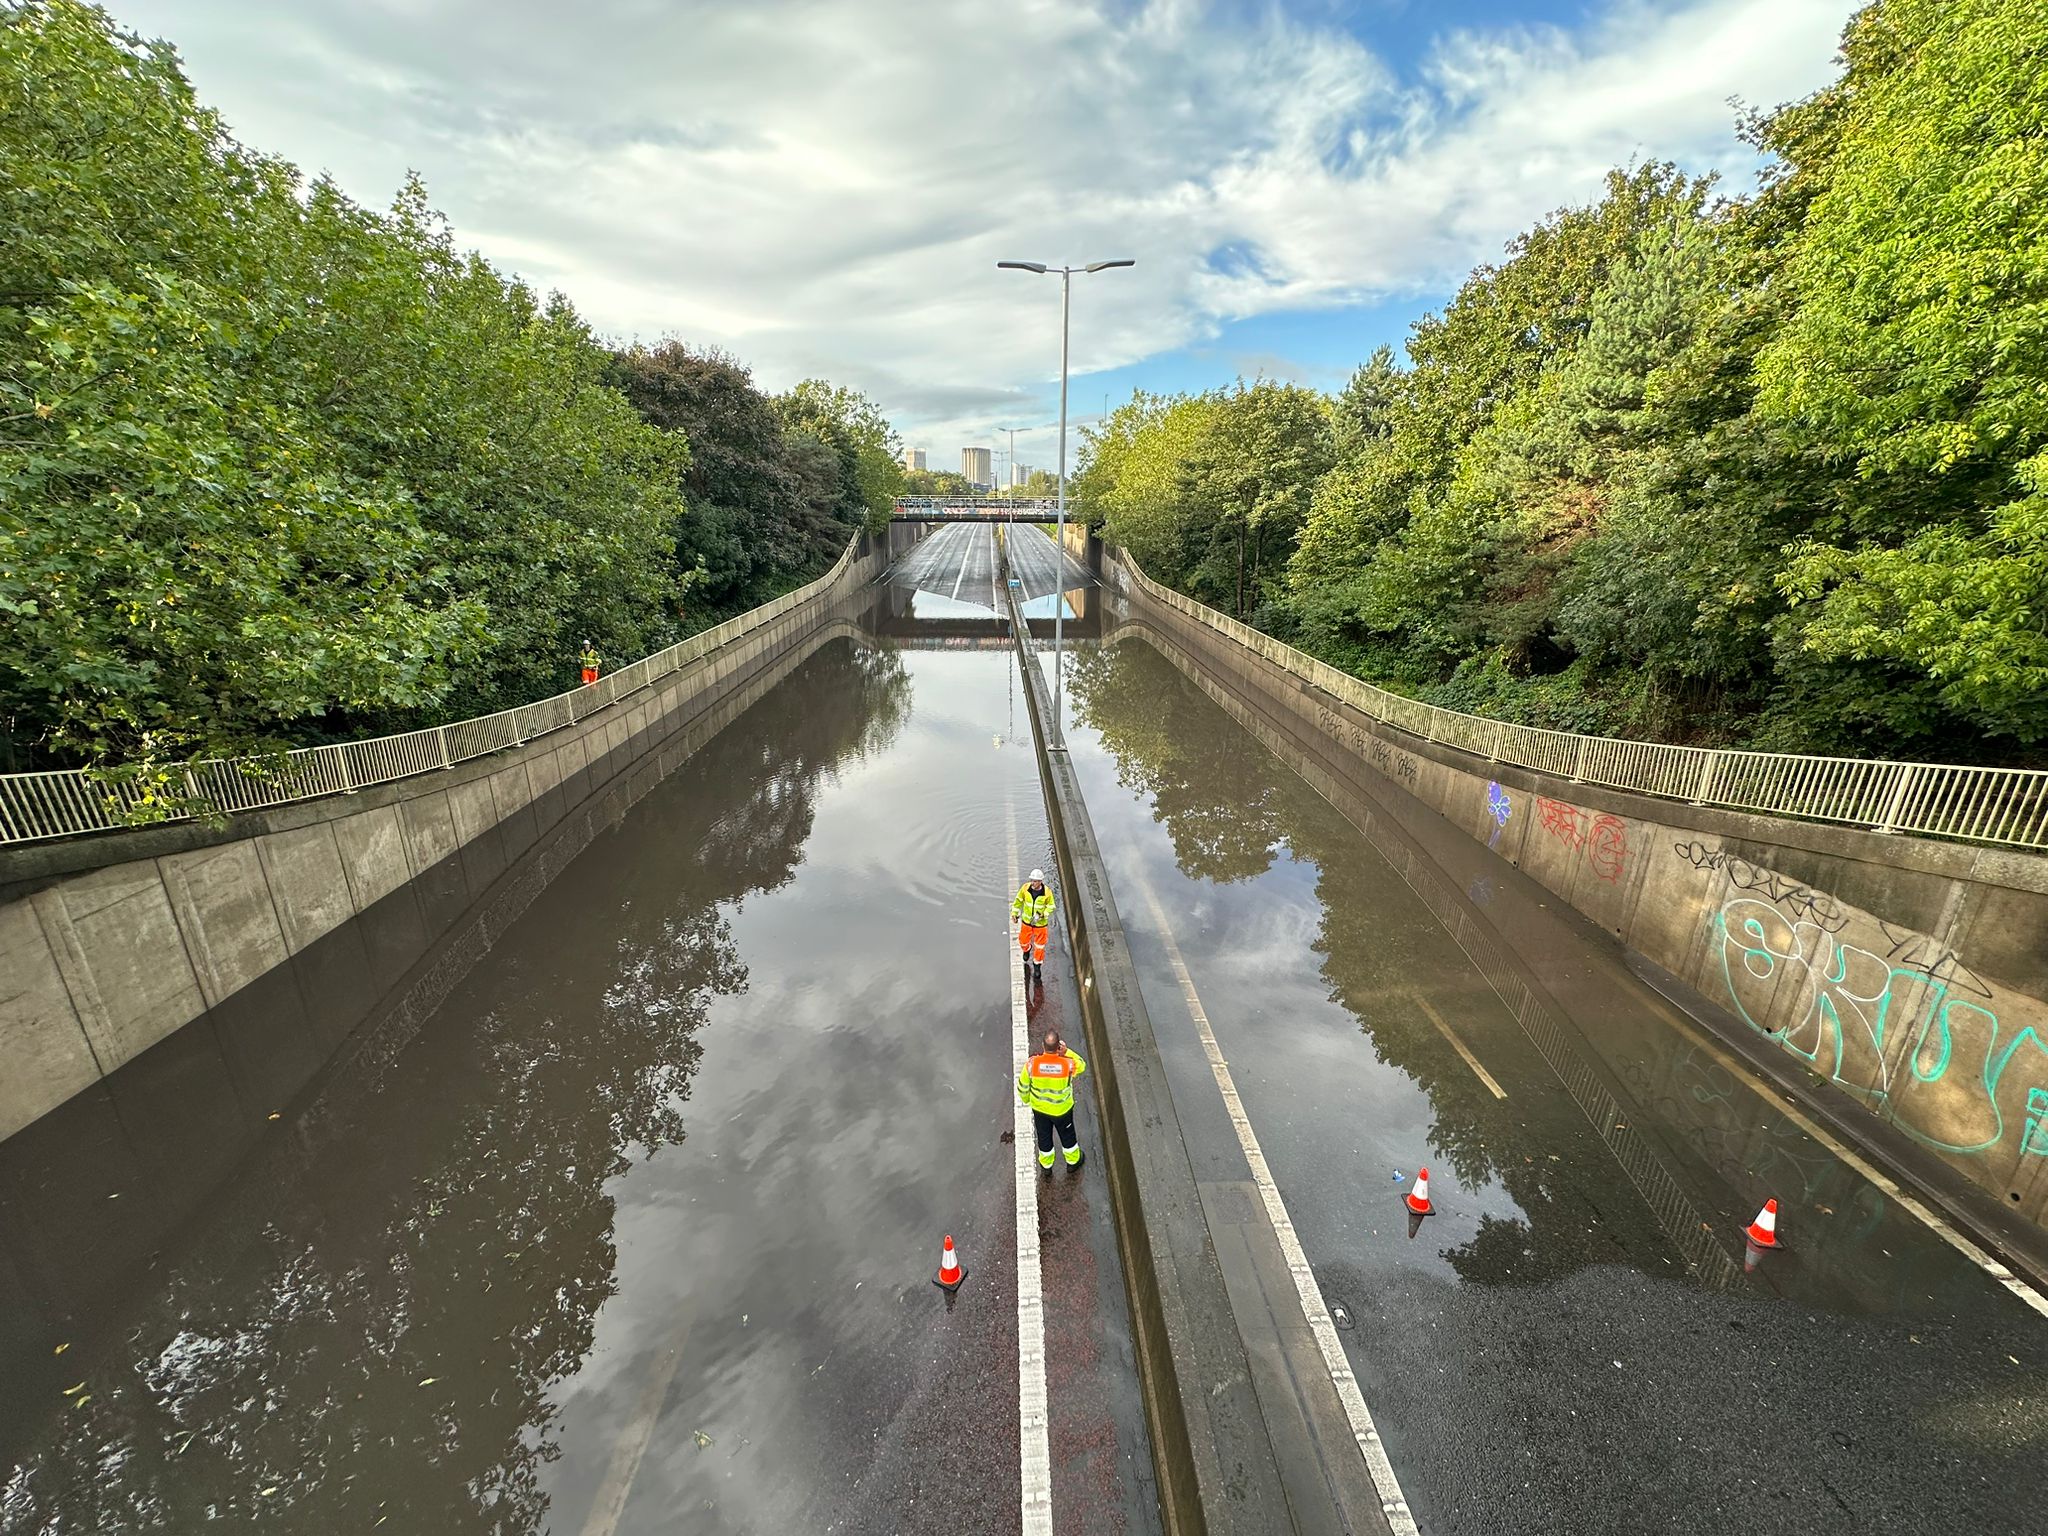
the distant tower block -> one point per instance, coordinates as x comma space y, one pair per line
913, 458
978, 465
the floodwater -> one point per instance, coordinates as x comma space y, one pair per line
637, 1233
1571, 1343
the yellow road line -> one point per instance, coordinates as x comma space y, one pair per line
1458, 1045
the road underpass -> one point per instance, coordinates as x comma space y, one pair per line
640, 1237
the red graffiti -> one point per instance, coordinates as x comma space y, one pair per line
1607, 848
1604, 838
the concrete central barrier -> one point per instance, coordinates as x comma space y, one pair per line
1248, 1432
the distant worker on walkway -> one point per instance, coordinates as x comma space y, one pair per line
589, 658
1047, 1085
1032, 913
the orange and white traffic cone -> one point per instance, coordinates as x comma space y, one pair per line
1418, 1197
1764, 1230
950, 1271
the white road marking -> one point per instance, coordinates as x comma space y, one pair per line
963, 570
624, 1466
1458, 1045
1035, 1451
1392, 1501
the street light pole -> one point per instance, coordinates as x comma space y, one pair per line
1059, 609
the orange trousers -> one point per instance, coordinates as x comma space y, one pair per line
1032, 941
589, 675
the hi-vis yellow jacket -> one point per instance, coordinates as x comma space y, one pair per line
1036, 911
1047, 1081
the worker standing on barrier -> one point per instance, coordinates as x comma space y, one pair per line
1047, 1085
1032, 913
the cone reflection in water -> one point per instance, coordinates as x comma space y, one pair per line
951, 1272
1415, 1220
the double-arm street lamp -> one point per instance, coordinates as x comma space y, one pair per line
1066, 275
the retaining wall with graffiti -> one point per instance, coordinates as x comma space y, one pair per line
1911, 973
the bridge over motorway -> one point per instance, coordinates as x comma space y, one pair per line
979, 509
566, 1131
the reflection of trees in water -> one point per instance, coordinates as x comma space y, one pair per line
375, 1339
1226, 804
1209, 785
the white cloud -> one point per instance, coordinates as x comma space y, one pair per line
825, 188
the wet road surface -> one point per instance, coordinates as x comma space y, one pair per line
1570, 1343
957, 561
1036, 563
638, 1233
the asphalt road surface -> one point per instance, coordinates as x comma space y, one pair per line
957, 562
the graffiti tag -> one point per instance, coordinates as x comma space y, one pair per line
1500, 808
1917, 952
1604, 838
1803, 901
1893, 1033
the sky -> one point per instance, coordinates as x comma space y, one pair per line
824, 188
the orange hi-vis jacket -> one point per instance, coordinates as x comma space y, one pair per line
1047, 1081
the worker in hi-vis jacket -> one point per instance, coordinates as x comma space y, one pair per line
1047, 1085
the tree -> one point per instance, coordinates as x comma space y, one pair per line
189, 559
1915, 357
762, 516
1256, 467
278, 467
871, 476
936, 482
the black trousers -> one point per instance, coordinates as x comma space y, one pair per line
1046, 1124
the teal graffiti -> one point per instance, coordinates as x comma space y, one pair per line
2036, 1139
1856, 1004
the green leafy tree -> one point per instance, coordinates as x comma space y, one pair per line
1914, 360
935, 482
762, 505
870, 454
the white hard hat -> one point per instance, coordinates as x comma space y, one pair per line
1038, 875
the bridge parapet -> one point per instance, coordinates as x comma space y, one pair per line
978, 509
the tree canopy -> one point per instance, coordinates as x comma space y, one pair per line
276, 467
1767, 470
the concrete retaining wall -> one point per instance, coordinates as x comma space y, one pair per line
300, 918
1909, 974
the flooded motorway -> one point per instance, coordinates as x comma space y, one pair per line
637, 1233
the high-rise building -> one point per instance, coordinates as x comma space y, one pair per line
913, 458
1020, 474
978, 465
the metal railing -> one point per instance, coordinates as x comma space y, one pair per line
1987, 805
65, 802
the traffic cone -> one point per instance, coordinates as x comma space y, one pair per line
1418, 1197
1764, 1230
950, 1273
